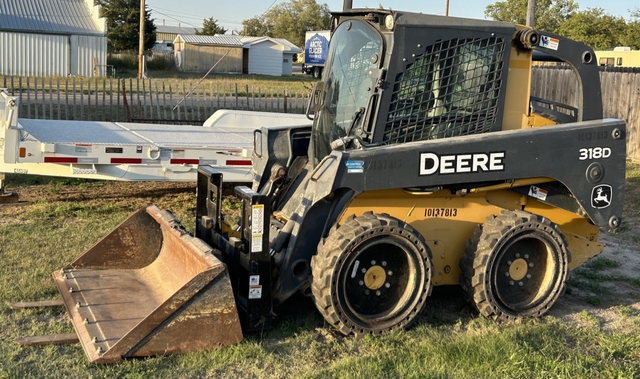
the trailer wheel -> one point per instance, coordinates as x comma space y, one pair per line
317, 72
372, 274
515, 266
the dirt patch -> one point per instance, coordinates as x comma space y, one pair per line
605, 290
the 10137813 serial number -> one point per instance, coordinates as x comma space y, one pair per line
440, 212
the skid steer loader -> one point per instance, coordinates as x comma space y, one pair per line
428, 164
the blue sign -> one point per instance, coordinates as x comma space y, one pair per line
315, 49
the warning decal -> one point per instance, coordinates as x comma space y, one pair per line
549, 42
255, 292
538, 193
257, 222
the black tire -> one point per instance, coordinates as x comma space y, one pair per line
317, 72
515, 266
371, 275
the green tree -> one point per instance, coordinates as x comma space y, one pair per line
594, 27
123, 25
550, 14
210, 27
631, 36
254, 27
289, 20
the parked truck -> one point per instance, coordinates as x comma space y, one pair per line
315, 52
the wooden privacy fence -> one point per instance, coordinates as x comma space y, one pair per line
620, 96
145, 100
158, 100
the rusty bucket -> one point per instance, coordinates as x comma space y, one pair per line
149, 288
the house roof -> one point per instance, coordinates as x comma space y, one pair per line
218, 39
287, 46
183, 30
233, 40
52, 16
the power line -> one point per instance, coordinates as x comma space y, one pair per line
263, 13
175, 19
191, 16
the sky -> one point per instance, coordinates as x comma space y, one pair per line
230, 13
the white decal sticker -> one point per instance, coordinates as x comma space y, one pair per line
549, 42
538, 193
256, 243
254, 280
601, 196
83, 148
431, 163
594, 153
355, 269
255, 292
257, 220
355, 167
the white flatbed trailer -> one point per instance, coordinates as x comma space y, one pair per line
131, 151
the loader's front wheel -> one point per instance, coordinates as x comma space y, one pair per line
515, 266
372, 274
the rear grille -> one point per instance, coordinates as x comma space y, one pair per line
451, 90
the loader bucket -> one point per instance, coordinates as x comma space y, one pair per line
149, 288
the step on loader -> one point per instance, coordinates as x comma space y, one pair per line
428, 164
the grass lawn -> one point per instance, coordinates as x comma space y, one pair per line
594, 336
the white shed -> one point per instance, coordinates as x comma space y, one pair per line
269, 56
52, 37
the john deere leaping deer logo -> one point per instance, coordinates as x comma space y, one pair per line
601, 196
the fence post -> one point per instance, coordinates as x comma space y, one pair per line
89, 99
124, 101
285, 100
197, 102
50, 98
111, 99
184, 107
58, 87
118, 99
35, 97
144, 98
171, 101
164, 100
74, 98
98, 108
246, 90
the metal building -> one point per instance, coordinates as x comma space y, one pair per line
169, 33
247, 55
199, 53
269, 56
52, 37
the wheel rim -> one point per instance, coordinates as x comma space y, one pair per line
376, 281
525, 272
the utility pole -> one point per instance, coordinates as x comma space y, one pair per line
141, 43
531, 13
446, 9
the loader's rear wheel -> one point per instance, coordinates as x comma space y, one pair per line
372, 274
515, 266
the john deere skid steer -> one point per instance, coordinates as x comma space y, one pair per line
428, 164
